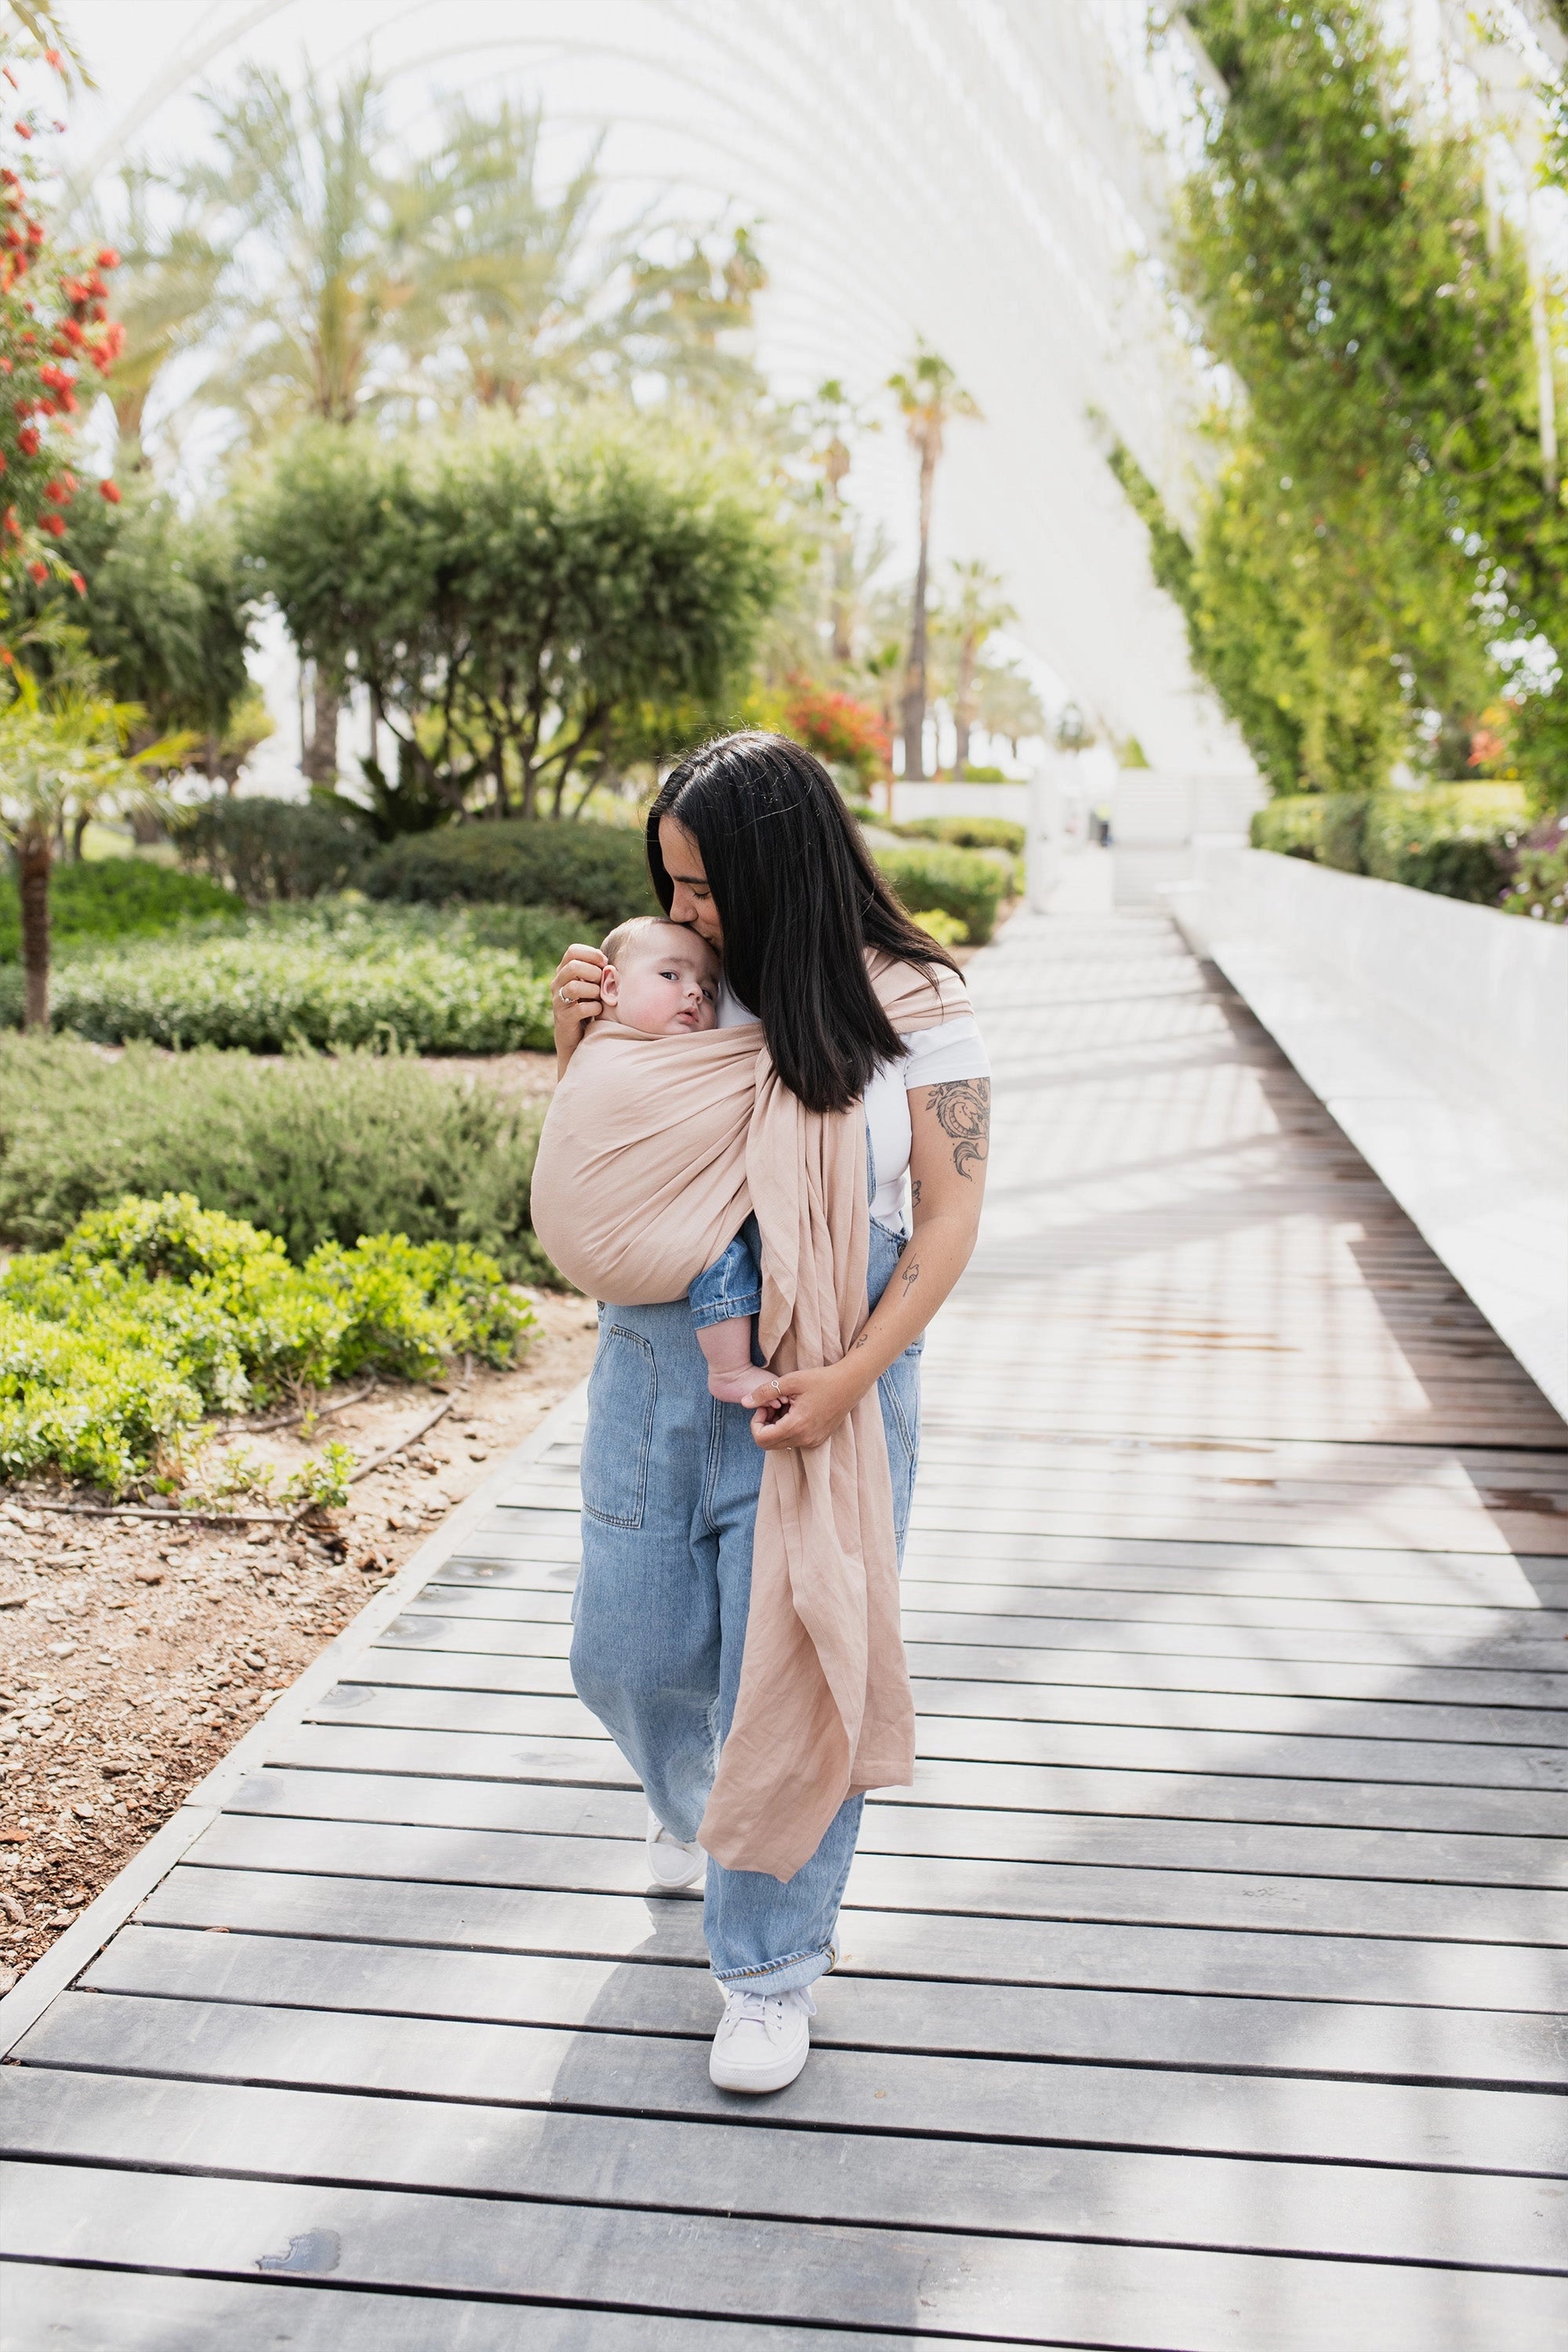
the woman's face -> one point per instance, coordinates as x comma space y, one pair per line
692, 903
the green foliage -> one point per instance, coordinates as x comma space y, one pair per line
157, 1312
1379, 522
508, 602
966, 832
1458, 840
166, 612
1540, 885
601, 869
112, 899
945, 929
316, 1150
966, 884
348, 980
268, 849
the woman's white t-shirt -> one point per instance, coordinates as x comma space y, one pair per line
951, 1051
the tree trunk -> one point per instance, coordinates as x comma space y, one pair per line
963, 707
915, 676
320, 761
33, 879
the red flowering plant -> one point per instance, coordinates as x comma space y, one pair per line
844, 732
54, 334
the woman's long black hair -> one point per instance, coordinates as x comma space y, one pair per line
800, 902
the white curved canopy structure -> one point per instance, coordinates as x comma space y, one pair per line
983, 173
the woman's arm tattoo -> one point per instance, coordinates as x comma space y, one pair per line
909, 1274
963, 1108
915, 1193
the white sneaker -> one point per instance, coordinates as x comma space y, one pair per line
763, 2039
671, 1863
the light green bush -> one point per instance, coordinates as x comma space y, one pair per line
600, 869
963, 883
313, 1148
112, 899
155, 1313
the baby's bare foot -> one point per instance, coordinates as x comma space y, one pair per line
734, 1388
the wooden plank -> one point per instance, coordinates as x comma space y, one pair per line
997, 1888
751, 2166
1027, 2291
425, 1627
407, 1662
76, 2310
1210, 2032
915, 1944
1311, 2119
1434, 1762
911, 1827
960, 1780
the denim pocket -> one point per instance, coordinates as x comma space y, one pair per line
618, 1439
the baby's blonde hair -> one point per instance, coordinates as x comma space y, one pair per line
622, 935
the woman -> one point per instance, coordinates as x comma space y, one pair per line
749, 843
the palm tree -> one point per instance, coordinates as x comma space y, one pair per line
977, 611
62, 762
833, 416
165, 294
1008, 705
501, 274
929, 396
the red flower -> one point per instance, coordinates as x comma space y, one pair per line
78, 583
30, 440
53, 58
109, 258
54, 524
109, 490
58, 491
22, 130
38, 571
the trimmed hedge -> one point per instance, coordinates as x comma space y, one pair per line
1459, 841
113, 899
599, 869
966, 832
316, 1150
967, 883
268, 849
336, 985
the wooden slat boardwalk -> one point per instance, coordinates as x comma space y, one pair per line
1207, 1990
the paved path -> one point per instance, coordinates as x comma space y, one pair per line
1207, 1991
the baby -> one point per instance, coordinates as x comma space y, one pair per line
663, 978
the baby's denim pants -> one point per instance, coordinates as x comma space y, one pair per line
671, 1479
732, 1284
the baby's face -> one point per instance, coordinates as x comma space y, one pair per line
666, 983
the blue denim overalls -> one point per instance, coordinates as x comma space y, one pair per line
671, 1479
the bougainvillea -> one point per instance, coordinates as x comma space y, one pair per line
848, 733
55, 330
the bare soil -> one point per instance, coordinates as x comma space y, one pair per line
134, 1654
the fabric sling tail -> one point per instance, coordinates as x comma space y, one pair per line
825, 1709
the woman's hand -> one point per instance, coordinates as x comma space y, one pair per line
575, 1000
804, 1409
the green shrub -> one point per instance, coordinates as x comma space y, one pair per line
1539, 884
945, 929
268, 849
1458, 840
112, 899
598, 869
153, 1313
964, 883
344, 983
313, 1149
966, 832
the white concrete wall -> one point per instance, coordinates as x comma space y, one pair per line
1438, 1035
955, 799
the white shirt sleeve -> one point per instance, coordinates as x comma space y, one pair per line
954, 1049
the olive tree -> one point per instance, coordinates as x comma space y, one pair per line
509, 601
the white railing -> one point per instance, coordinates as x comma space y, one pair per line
1437, 1034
